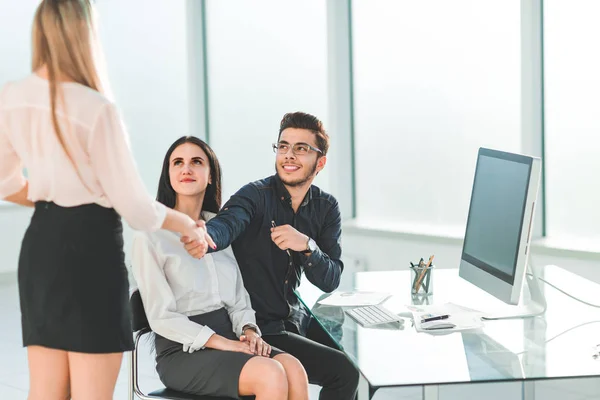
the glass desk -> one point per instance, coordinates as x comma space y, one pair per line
559, 344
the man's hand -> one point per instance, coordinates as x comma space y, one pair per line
194, 247
286, 237
257, 345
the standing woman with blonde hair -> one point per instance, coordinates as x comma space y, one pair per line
73, 286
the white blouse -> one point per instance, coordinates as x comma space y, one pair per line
173, 285
103, 170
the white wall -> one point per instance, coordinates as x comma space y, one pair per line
380, 249
145, 45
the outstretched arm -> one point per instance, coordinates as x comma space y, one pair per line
231, 221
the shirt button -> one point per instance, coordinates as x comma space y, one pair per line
291, 264
286, 281
310, 264
282, 198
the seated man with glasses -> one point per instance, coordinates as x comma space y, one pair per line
280, 227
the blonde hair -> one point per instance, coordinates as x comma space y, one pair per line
65, 41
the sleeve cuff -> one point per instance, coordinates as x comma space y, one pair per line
253, 326
200, 341
312, 260
12, 186
161, 215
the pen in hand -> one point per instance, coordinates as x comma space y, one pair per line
274, 225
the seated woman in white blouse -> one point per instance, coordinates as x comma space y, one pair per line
207, 341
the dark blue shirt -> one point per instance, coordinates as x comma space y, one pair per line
270, 274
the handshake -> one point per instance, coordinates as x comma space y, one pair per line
196, 240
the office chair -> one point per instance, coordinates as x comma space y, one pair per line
141, 326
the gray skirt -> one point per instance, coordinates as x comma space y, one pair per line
207, 372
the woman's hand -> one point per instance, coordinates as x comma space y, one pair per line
257, 345
198, 235
218, 342
181, 223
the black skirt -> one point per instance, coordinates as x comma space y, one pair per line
207, 372
73, 284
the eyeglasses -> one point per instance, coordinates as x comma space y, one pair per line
299, 149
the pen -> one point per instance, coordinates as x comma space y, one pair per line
435, 318
430, 261
422, 275
274, 225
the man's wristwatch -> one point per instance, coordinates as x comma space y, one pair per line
311, 246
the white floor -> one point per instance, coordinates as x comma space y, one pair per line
14, 377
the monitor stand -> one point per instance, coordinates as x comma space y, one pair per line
535, 306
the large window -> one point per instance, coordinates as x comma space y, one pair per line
146, 54
265, 58
433, 82
572, 112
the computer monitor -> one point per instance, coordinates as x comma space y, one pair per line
498, 233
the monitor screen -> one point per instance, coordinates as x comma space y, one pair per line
496, 213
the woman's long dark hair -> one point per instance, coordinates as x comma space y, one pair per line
212, 198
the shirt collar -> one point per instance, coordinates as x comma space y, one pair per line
284, 195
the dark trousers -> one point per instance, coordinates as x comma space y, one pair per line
325, 365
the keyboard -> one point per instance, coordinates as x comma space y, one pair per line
373, 315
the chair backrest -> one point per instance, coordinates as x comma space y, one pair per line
139, 320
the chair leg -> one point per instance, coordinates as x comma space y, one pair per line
134, 388
131, 396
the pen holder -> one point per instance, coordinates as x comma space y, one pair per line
421, 300
421, 280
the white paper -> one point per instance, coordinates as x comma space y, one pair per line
462, 318
354, 298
